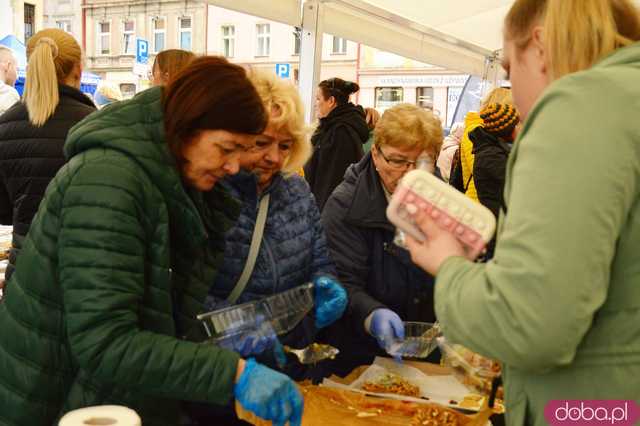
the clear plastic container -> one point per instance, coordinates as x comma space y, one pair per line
419, 342
283, 311
426, 163
232, 319
474, 371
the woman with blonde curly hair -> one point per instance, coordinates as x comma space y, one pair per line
292, 249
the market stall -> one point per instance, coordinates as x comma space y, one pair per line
389, 393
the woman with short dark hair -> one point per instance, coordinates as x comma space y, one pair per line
338, 140
102, 306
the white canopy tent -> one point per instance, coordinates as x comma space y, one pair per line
457, 34
462, 35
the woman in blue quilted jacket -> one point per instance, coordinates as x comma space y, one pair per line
293, 248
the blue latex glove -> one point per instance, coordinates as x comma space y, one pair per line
255, 339
387, 327
269, 395
330, 300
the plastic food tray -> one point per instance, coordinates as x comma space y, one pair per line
283, 311
419, 341
477, 378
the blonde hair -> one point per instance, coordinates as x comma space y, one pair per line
577, 33
499, 95
171, 61
409, 126
52, 56
107, 90
286, 112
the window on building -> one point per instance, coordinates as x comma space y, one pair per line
228, 40
424, 97
64, 25
128, 90
159, 33
29, 21
185, 32
297, 40
128, 38
339, 46
264, 39
386, 97
104, 38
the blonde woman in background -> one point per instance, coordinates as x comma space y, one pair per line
499, 95
167, 64
559, 305
106, 93
33, 132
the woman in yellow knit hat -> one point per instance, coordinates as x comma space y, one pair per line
472, 121
491, 146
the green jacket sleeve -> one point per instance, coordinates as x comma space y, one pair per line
569, 189
102, 250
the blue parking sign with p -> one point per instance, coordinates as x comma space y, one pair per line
142, 51
283, 70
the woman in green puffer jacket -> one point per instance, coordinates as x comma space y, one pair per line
118, 261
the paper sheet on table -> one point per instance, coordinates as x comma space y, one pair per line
439, 389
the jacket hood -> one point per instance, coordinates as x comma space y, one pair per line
136, 129
348, 115
141, 118
368, 207
481, 138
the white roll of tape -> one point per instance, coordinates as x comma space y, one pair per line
101, 415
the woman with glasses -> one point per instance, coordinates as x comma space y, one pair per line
385, 287
337, 142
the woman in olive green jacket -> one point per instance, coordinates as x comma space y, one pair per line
101, 308
560, 303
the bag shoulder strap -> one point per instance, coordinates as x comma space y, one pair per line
466, 186
256, 240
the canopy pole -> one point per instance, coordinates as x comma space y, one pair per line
310, 55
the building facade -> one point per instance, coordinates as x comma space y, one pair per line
386, 79
260, 43
112, 27
65, 15
21, 18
